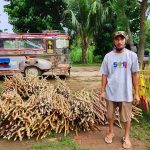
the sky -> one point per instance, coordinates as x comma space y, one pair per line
4, 18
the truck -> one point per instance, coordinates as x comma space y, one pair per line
34, 53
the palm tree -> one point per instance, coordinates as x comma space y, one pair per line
86, 17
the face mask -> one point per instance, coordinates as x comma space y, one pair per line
119, 49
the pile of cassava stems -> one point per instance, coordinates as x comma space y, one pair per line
33, 107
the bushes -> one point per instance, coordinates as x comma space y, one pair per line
98, 59
76, 55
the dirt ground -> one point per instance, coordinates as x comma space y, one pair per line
84, 77
81, 77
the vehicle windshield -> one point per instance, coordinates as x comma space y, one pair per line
21, 44
7, 43
30, 43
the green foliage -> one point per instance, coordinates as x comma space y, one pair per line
138, 130
51, 135
121, 13
121, 17
90, 55
98, 59
86, 17
127, 13
86, 65
76, 54
35, 16
61, 143
104, 39
147, 35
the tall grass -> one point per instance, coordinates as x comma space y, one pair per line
142, 130
76, 55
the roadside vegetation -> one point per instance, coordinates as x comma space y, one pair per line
141, 130
62, 143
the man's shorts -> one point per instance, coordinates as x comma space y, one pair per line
125, 110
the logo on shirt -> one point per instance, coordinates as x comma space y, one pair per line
120, 64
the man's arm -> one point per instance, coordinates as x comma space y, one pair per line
103, 83
135, 80
103, 86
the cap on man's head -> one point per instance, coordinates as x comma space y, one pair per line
119, 33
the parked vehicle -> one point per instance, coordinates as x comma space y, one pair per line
37, 53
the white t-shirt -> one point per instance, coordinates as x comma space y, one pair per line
119, 68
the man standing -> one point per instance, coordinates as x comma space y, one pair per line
119, 71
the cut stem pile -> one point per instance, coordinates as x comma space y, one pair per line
30, 106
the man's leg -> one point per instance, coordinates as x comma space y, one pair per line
127, 129
126, 113
110, 134
111, 126
110, 117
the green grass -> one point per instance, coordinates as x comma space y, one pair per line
63, 143
86, 65
148, 95
51, 135
141, 130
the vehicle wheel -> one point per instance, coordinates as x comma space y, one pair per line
33, 71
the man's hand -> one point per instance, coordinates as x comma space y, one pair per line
136, 99
102, 96
135, 79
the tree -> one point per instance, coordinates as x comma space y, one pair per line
104, 38
143, 8
127, 17
86, 17
117, 20
147, 44
35, 16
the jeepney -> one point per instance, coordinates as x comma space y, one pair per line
34, 53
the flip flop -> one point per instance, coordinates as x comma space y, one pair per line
123, 139
126, 145
108, 139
